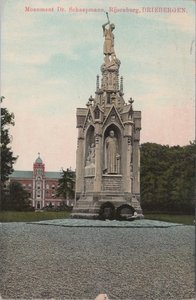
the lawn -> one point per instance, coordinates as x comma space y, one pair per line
17, 216
182, 219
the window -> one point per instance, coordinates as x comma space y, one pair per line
39, 171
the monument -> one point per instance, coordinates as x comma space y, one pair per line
108, 149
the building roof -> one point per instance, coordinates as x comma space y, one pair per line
53, 175
29, 175
22, 174
39, 160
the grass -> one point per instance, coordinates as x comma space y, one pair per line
181, 219
17, 216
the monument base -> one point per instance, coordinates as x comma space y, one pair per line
103, 206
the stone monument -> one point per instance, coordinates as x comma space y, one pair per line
108, 149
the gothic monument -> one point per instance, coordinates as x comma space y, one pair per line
108, 150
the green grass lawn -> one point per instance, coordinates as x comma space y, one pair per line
182, 219
17, 216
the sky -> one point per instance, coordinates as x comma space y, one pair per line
50, 60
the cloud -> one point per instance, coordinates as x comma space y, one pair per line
50, 63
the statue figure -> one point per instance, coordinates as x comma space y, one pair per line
108, 47
112, 155
91, 155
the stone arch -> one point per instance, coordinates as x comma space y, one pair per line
118, 134
125, 212
89, 140
107, 211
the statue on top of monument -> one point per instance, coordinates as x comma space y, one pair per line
108, 47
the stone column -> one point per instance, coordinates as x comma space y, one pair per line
98, 159
128, 154
80, 163
136, 167
136, 153
98, 164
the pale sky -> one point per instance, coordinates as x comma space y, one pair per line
50, 61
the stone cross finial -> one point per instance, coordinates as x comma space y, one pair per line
131, 106
90, 100
131, 100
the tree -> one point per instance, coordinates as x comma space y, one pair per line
16, 198
7, 157
66, 187
167, 177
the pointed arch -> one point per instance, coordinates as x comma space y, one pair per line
116, 156
90, 140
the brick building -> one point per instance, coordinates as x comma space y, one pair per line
40, 184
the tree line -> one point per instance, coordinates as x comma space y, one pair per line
168, 177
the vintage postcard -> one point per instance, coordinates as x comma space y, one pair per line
89, 82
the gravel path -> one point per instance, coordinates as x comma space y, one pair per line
47, 261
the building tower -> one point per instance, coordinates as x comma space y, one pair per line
108, 151
38, 183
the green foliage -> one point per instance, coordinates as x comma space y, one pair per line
15, 198
66, 187
181, 219
16, 216
7, 158
167, 177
